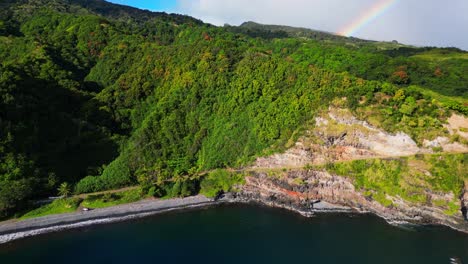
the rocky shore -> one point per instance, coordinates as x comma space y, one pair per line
321, 192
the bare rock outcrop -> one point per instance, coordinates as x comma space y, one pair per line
464, 201
340, 136
300, 190
458, 124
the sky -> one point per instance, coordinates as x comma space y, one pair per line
419, 22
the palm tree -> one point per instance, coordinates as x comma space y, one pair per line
64, 189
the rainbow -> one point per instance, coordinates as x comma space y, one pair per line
367, 17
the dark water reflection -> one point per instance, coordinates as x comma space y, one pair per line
243, 234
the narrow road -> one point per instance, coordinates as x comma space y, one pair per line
84, 195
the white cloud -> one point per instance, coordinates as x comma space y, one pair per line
318, 13
428, 22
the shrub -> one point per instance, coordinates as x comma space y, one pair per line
219, 181
116, 175
181, 188
89, 184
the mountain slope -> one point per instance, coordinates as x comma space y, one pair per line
104, 96
278, 31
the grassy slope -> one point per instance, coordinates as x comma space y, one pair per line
410, 178
69, 205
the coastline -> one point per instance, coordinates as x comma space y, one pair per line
10, 231
333, 208
35, 226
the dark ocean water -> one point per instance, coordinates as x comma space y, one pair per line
242, 234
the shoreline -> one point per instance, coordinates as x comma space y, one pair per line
52, 223
11, 231
333, 208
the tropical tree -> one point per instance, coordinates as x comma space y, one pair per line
64, 189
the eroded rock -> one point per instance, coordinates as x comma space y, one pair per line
339, 194
340, 136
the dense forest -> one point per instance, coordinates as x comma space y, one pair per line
102, 96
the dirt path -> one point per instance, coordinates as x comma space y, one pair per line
85, 195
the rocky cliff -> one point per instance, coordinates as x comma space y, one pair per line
425, 188
312, 191
464, 202
338, 135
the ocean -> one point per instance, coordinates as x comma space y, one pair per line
243, 234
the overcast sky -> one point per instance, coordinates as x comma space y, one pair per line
418, 22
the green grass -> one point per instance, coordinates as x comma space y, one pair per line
421, 119
382, 199
408, 178
59, 206
70, 205
112, 199
457, 103
453, 209
438, 55
299, 181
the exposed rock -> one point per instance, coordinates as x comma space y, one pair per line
458, 124
336, 193
385, 144
445, 144
436, 143
297, 156
464, 201
455, 147
340, 136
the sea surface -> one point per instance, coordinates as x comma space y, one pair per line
243, 234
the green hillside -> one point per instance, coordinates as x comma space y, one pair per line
104, 96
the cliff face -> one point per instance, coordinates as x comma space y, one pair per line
311, 191
339, 136
390, 174
464, 202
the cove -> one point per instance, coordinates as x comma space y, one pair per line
243, 234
